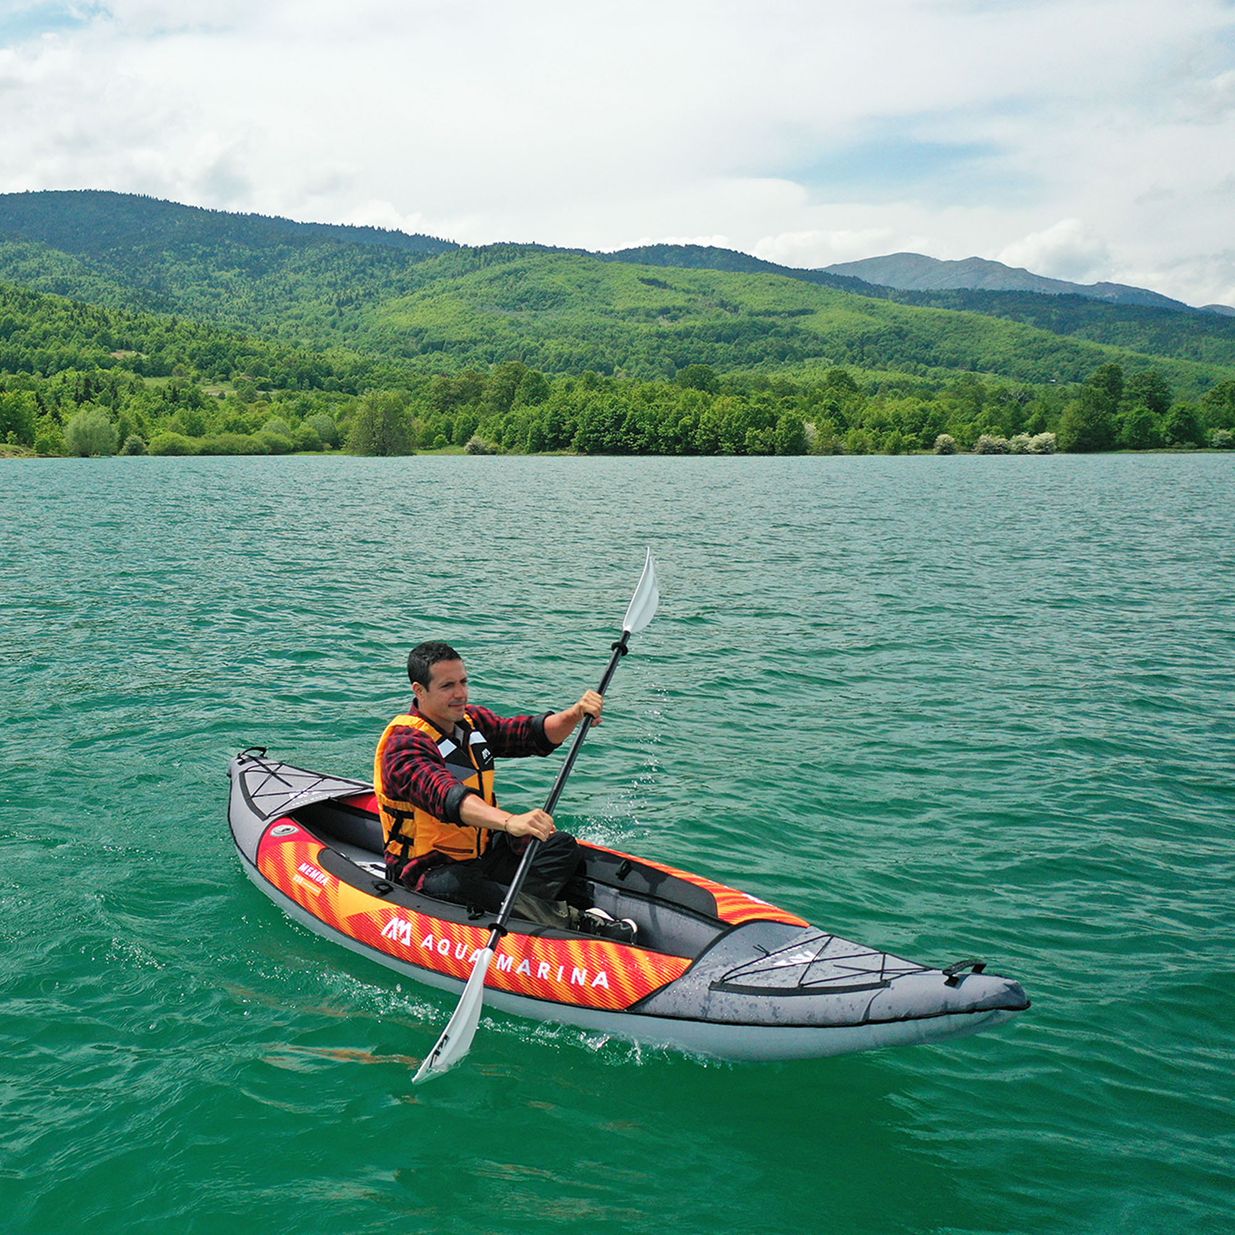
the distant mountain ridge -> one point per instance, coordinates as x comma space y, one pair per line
88, 222
918, 273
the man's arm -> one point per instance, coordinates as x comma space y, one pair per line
515, 736
560, 725
474, 810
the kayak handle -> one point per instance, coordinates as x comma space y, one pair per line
952, 974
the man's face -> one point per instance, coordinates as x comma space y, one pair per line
445, 696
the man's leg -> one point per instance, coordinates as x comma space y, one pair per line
464, 883
555, 862
540, 898
484, 882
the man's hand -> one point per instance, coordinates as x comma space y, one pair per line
561, 725
535, 823
591, 704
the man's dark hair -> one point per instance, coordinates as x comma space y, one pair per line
422, 658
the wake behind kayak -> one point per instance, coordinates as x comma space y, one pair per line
715, 970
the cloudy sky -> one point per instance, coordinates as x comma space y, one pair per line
1085, 139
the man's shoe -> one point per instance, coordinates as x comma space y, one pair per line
596, 921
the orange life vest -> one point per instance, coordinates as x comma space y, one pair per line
411, 832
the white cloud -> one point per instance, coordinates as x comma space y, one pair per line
1211, 277
591, 125
1065, 250
376, 213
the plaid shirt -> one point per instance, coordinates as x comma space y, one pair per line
413, 769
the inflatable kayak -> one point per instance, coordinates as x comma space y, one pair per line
713, 970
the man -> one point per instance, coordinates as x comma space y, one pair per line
445, 834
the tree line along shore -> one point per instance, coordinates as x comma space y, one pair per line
512, 408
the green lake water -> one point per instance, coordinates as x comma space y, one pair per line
966, 707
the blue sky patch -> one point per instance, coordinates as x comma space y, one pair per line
19, 23
893, 165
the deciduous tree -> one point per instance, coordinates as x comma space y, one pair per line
90, 432
382, 425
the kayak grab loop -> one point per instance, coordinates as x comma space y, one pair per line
954, 971
382, 888
257, 755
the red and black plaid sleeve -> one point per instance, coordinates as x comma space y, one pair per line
513, 737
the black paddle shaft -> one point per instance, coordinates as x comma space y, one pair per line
499, 927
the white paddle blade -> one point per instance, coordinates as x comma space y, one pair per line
456, 1039
643, 603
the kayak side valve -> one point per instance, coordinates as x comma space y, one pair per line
953, 972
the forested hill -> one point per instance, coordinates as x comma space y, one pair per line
1165, 328
99, 224
441, 307
709, 257
42, 334
296, 280
565, 312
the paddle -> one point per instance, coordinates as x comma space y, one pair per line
456, 1039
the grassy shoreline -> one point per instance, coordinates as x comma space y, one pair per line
10, 453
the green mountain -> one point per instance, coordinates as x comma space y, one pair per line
192, 332
709, 257
566, 312
1159, 329
422, 303
296, 280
